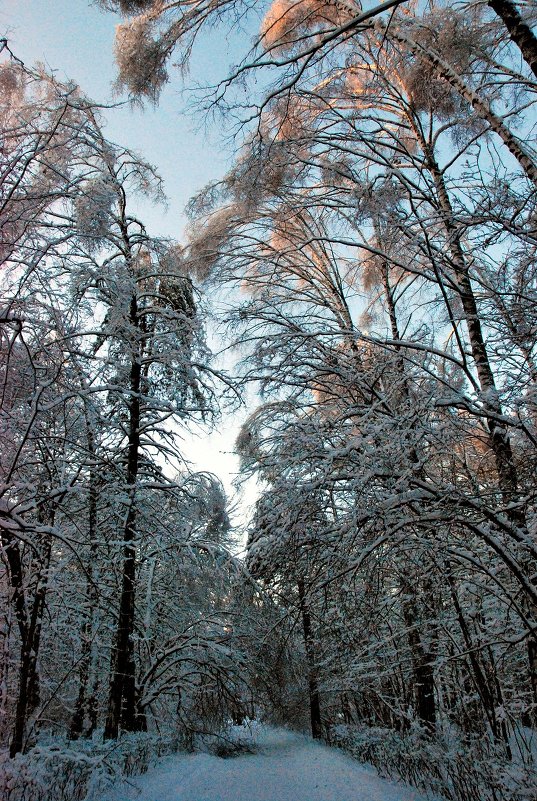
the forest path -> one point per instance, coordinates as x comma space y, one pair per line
286, 767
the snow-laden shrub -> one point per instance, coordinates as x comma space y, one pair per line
54, 774
80, 772
234, 740
444, 766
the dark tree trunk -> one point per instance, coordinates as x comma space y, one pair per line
18, 601
500, 442
499, 438
30, 634
422, 664
520, 33
77, 721
122, 694
85, 701
313, 685
447, 72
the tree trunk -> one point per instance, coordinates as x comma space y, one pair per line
500, 442
520, 33
30, 632
313, 686
122, 694
84, 700
422, 665
446, 72
499, 438
422, 662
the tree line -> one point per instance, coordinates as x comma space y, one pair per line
117, 567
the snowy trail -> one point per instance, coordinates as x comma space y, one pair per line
287, 767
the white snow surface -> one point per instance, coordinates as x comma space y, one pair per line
286, 767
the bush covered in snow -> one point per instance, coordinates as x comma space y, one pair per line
445, 766
78, 772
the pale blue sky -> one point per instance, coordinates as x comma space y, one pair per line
76, 39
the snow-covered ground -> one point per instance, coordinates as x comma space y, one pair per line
286, 767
